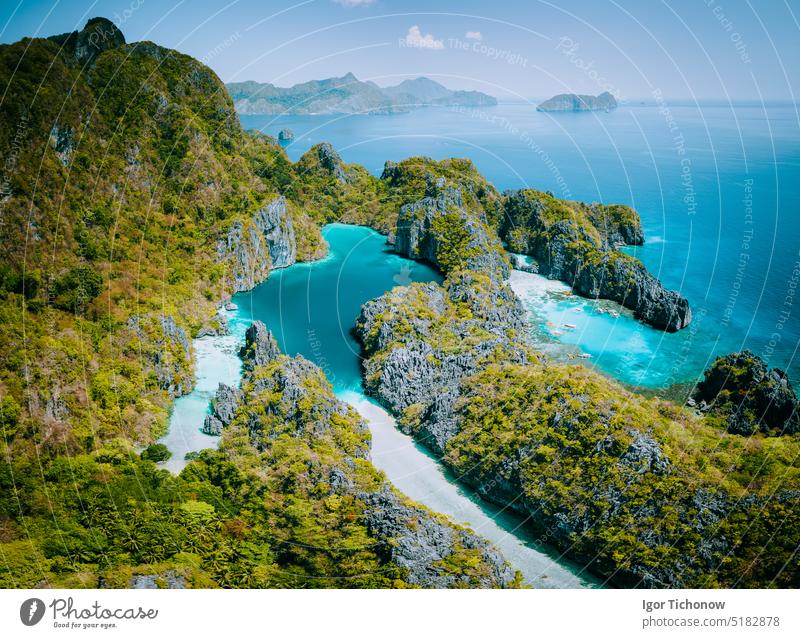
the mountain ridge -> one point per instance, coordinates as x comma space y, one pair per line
348, 94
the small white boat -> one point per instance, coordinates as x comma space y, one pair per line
577, 310
613, 313
571, 326
584, 355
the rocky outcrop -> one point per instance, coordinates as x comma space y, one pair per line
275, 224
223, 409
331, 161
740, 389
286, 135
576, 243
99, 34
165, 345
253, 246
217, 326
284, 400
420, 543
572, 102
259, 346
439, 229
407, 366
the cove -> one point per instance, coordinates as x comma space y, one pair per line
216, 361
310, 309
603, 334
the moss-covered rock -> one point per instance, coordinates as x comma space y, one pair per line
576, 243
747, 397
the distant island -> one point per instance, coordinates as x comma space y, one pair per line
348, 94
573, 102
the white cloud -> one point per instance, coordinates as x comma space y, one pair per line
473, 35
414, 38
354, 3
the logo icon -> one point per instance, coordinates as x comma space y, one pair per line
31, 611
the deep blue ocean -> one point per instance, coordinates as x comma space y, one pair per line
717, 188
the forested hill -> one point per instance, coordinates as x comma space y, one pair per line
348, 94
132, 205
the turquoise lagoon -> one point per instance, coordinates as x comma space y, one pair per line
718, 194
311, 309
719, 202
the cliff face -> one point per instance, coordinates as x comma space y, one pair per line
573, 102
440, 230
165, 349
742, 393
286, 409
252, 247
576, 243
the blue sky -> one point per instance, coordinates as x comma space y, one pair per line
703, 49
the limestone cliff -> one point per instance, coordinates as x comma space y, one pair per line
287, 404
253, 246
577, 243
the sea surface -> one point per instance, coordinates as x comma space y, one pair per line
717, 188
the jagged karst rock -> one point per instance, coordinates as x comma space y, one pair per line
286, 135
415, 373
99, 34
331, 161
259, 346
418, 542
576, 243
289, 397
61, 139
252, 247
217, 327
422, 234
223, 409
749, 397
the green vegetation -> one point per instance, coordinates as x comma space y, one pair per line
157, 452
118, 191
117, 194
746, 397
644, 492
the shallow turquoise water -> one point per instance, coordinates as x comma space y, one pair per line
216, 361
311, 308
719, 198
